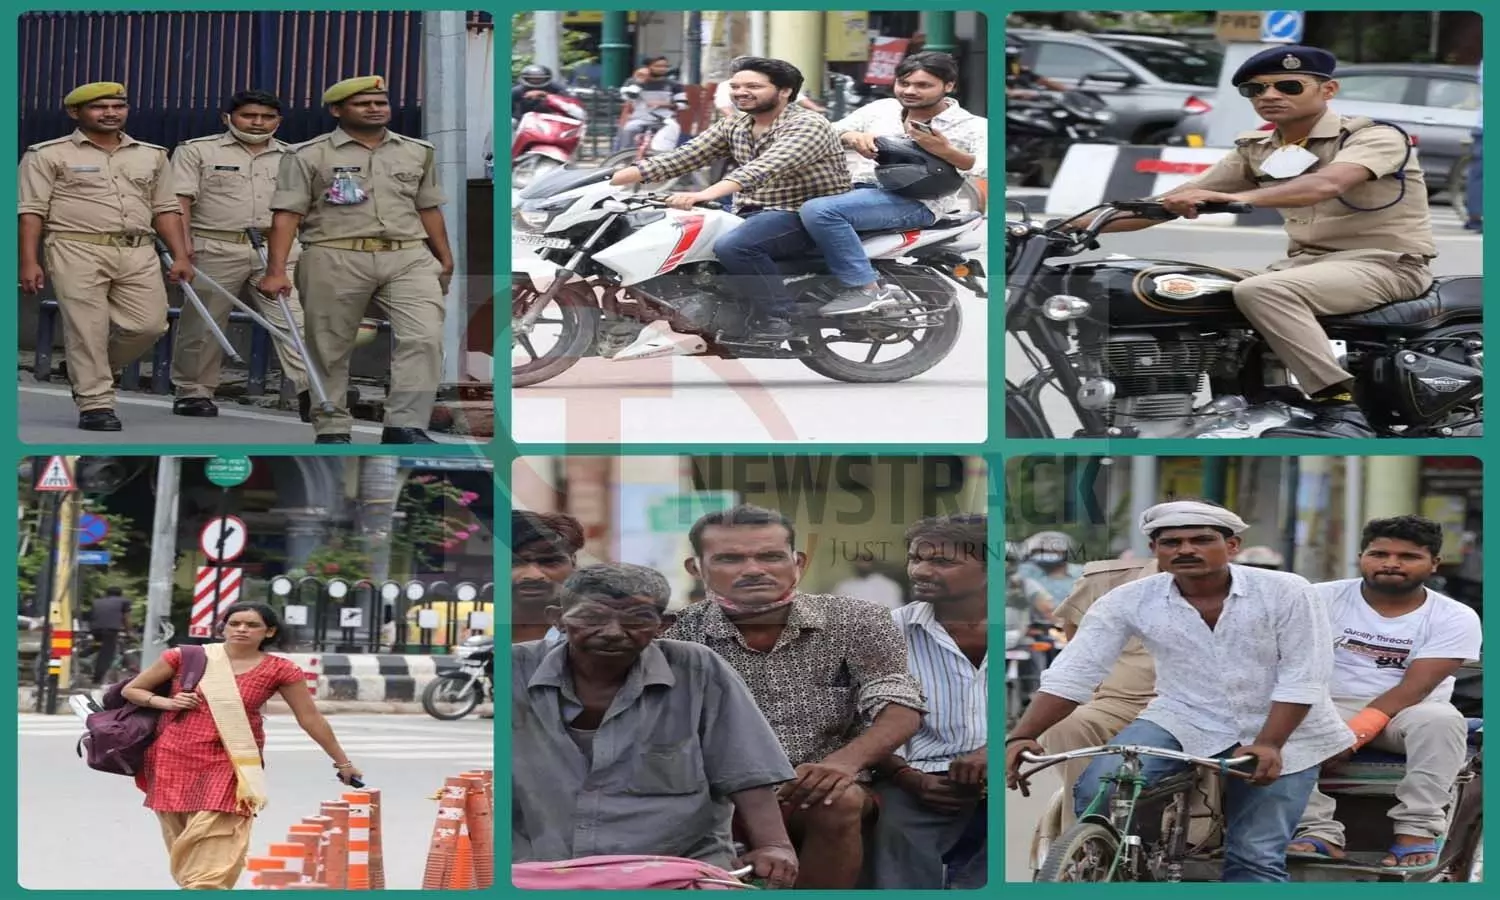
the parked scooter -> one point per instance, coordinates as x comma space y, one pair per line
546, 138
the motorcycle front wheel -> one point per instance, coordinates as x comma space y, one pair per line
576, 317
450, 699
931, 348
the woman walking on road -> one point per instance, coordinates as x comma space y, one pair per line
203, 775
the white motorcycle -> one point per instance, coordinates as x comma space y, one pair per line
625, 277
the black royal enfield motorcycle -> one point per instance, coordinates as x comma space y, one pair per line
1129, 343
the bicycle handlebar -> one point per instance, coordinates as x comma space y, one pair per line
1047, 761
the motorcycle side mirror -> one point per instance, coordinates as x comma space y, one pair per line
1111, 76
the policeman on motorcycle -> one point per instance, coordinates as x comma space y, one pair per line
1354, 201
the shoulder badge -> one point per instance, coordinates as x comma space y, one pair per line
44, 144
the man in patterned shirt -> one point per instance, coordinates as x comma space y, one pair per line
783, 156
922, 111
828, 672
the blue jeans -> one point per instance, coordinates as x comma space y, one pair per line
1474, 185
749, 254
835, 222
1259, 821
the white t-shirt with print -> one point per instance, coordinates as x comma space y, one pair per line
1370, 651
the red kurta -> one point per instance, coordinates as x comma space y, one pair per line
187, 768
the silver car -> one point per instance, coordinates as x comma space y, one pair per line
1150, 83
1437, 105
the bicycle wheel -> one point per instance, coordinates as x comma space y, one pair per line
1084, 853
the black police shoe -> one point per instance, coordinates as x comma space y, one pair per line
99, 420
333, 439
199, 407
405, 436
1330, 420
304, 406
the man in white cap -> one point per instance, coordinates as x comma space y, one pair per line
1243, 657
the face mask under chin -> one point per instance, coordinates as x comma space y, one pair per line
250, 138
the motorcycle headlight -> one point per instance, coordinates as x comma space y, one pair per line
535, 214
1063, 308
1104, 115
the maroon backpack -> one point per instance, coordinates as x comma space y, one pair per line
120, 733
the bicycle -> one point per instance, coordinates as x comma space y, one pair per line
1143, 835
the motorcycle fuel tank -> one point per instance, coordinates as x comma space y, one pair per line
1134, 293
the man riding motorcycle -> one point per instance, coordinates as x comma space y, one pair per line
1355, 203
648, 98
1020, 82
783, 156
534, 83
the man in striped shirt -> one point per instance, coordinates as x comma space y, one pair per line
933, 790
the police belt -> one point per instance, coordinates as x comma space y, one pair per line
104, 240
367, 245
213, 234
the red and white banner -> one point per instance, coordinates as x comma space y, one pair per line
205, 616
885, 54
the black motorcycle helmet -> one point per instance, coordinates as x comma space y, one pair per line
905, 169
536, 76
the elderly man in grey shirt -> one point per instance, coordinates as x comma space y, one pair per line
623, 744
1243, 662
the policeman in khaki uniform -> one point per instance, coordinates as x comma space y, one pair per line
367, 202
91, 201
225, 182
1355, 204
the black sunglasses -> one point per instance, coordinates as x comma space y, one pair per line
1289, 87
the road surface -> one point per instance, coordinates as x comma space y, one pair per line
701, 400
86, 830
1021, 814
1459, 253
47, 416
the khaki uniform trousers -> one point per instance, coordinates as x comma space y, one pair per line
1433, 737
113, 303
1095, 724
1284, 302
207, 850
196, 355
336, 286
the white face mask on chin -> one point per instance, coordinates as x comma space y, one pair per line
249, 138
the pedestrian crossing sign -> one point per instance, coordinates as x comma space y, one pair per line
55, 477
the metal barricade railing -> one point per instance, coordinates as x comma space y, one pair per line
339, 616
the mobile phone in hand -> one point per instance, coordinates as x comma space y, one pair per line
922, 127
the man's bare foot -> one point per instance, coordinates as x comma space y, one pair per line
1321, 848
1411, 860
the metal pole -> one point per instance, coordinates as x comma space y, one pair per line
163, 558
1290, 476
46, 531
1354, 496
758, 33
692, 49
614, 50
1144, 489
546, 38
445, 73
65, 556
940, 32
218, 560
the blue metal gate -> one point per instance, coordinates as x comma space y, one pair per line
180, 67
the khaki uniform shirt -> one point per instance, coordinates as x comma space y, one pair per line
1403, 227
230, 187
76, 185
1133, 679
399, 175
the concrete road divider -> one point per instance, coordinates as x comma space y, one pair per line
1091, 174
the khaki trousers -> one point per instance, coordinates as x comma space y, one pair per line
196, 356
1284, 302
207, 849
1433, 738
113, 303
336, 286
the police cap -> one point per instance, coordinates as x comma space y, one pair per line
365, 84
1291, 60
98, 90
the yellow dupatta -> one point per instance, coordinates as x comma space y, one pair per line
228, 709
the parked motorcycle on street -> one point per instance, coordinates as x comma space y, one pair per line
1039, 131
455, 693
607, 266
1131, 342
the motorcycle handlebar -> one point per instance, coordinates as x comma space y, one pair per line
1154, 208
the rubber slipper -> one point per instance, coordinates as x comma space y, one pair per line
1402, 851
1319, 844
